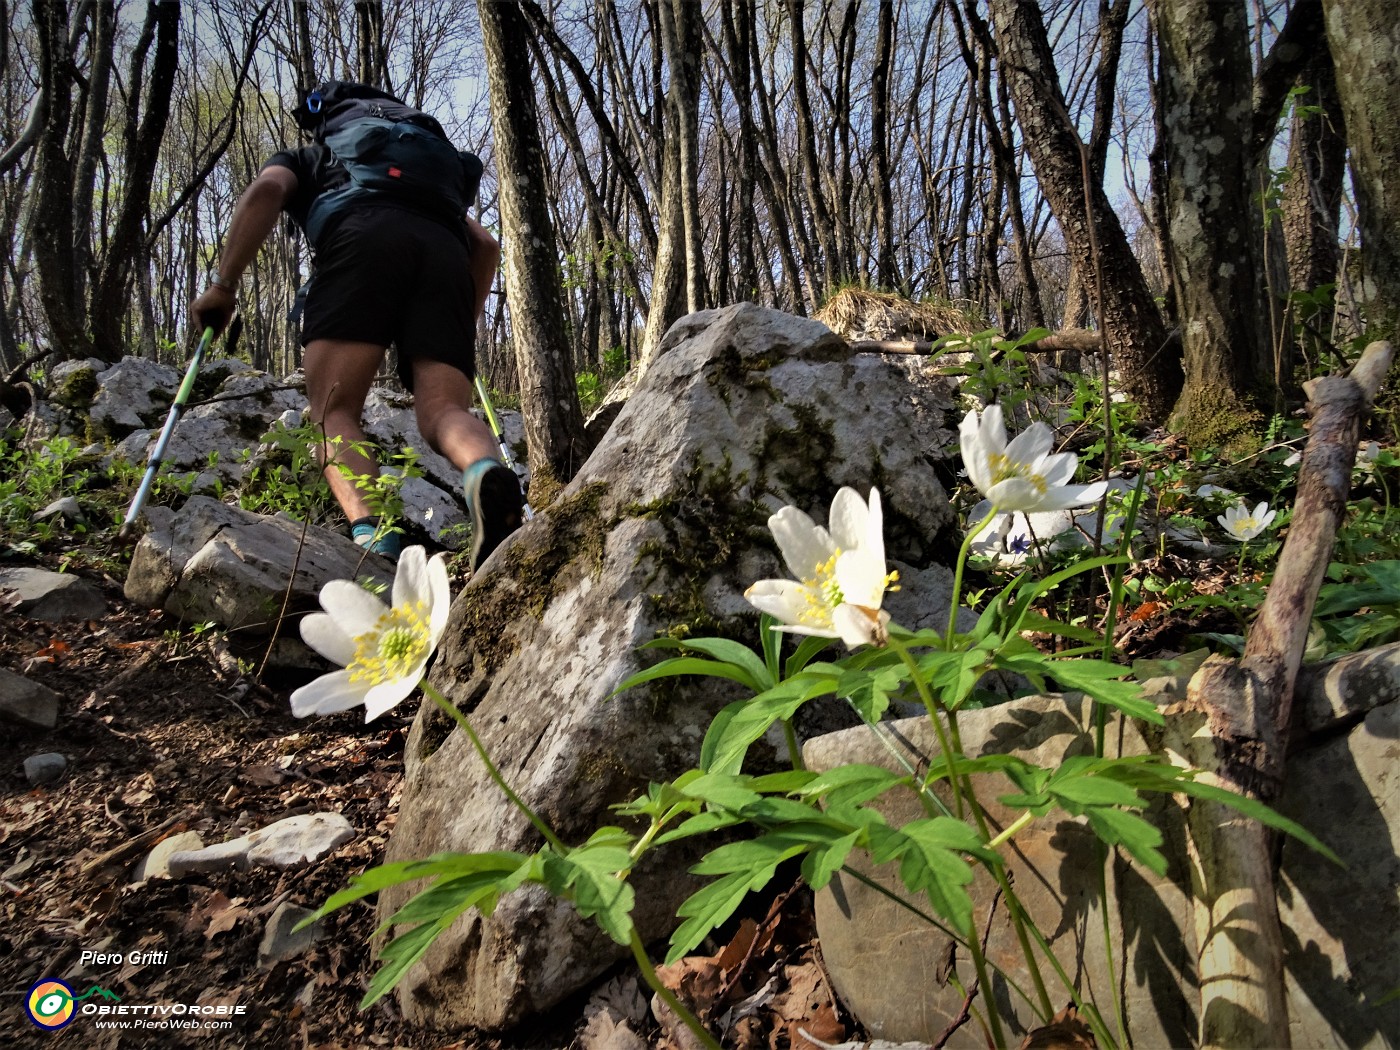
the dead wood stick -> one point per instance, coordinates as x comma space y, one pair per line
1276, 642
1234, 725
128, 849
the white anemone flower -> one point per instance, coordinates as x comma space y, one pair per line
383, 649
841, 574
1024, 475
1243, 524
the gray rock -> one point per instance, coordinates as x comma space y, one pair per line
662, 530
295, 842
1341, 926
214, 562
280, 941
45, 595
133, 393
292, 842
45, 768
434, 511
156, 864
222, 856
66, 508
27, 702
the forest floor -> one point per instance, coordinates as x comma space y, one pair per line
154, 732
159, 739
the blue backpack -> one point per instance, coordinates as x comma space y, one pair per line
388, 149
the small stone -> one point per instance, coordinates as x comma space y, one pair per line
219, 857
281, 941
45, 768
45, 595
156, 864
299, 840
27, 702
66, 508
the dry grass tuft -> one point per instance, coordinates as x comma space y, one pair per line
859, 313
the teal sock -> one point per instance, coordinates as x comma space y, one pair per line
363, 530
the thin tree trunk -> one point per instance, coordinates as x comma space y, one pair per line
885, 272
1133, 330
554, 431
1365, 46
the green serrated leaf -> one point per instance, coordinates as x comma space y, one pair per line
820, 864
1119, 827
684, 665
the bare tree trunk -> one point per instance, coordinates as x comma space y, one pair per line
822, 221
682, 34
885, 272
126, 247
1312, 200
1365, 46
1215, 251
53, 208
104, 17
554, 430
1132, 328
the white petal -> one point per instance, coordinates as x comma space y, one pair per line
354, 608
857, 626
328, 694
1267, 520
875, 528
441, 596
1260, 511
847, 521
1016, 494
1064, 496
411, 579
974, 452
1030, 444
386, 695
324, 634
804, 544
784, 599
815, 632
1057, 469
861, 578
992, 430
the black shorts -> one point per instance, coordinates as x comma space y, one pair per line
388, 275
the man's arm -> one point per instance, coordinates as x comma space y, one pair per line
486, 257
254, 216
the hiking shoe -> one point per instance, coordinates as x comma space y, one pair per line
496, 504
388, 542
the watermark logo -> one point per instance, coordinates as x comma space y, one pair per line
51, 1003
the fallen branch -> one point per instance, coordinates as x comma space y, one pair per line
1235, 724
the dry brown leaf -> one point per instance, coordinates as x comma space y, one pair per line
263, 775
1064, 1032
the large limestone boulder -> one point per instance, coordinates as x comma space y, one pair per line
665, 525
1341, 925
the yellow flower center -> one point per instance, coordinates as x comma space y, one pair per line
823, 594
1004, 468
392, 649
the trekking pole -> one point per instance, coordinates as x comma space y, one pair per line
495, 425
177, 408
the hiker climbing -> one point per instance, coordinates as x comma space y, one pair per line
382, 197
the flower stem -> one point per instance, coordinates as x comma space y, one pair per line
1011, 829
495, 774
794, 751
975, 531
668, 997
929, 705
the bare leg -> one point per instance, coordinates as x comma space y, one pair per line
338, 377
442, 395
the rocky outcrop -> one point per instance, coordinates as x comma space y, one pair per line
1341, 925
660, 532
42, 595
